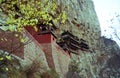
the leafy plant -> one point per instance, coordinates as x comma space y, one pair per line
30, 12
5, 61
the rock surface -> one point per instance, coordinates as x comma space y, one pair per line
100, 61
82, 22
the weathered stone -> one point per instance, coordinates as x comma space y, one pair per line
100, 61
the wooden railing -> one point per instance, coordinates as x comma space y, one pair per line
72, 43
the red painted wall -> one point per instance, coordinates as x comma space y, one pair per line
47, 41
11, 44
44, 38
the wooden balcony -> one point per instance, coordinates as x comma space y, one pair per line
72, 43
84, 45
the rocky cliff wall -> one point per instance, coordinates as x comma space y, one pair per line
101, 61
82, 22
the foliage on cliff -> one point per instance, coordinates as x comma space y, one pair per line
23, 13
30, 12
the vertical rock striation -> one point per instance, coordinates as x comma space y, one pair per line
100, 61
82, 22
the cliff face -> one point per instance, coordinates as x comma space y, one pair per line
82, 22
101, 60
110, 54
